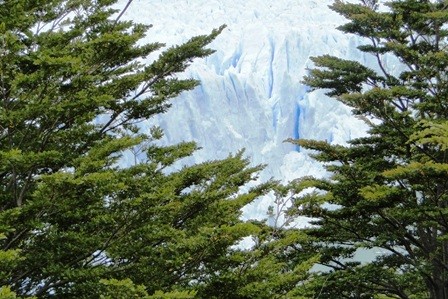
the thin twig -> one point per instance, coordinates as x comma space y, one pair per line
122, 12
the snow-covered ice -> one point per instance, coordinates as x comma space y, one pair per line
251, 94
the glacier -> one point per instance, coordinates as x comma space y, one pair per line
251, 95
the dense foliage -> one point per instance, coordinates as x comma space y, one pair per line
388, 194
74, 221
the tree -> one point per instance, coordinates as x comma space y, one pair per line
273, 266
388, 192
73, 222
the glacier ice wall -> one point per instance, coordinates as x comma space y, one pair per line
251, 94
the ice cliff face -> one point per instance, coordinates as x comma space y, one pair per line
251, 94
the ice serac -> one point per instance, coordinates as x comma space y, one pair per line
251, 94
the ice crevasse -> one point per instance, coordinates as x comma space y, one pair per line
251, 95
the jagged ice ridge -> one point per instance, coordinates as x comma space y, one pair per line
251, 95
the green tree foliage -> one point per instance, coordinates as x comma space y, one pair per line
274, 265
73, 223
388, 194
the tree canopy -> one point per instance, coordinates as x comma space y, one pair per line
75, 222
388, 193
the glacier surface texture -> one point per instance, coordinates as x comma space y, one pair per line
251, 94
